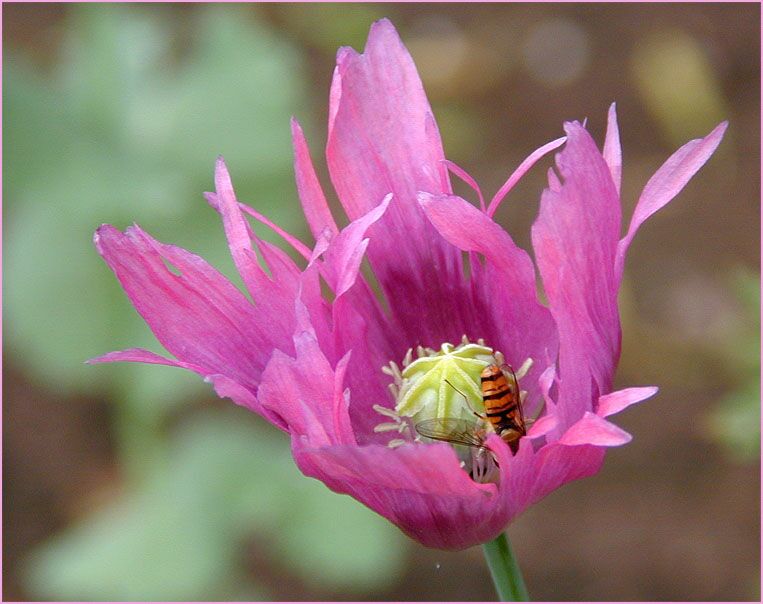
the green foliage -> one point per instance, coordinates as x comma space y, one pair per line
126, 130
127, 127
177, 536
735, 421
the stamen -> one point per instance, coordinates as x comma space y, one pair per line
522, 371
408, 359
388, 427
386, 411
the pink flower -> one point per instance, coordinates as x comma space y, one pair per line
311, 365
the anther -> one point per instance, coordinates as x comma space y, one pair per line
408, 359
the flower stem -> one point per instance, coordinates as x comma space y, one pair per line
505, 571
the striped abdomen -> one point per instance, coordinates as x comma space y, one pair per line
502, 405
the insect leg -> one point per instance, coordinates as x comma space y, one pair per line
468, 404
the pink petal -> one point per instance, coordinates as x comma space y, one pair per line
141, 355
467, 178
311, 195
383, 140
668, 181
421, 488
345, 253
612, 150
223, 385
521, 170
555, 465
543, 426
575, 239
308, 393
614, 402
360, 324
592, 429
197, 315
514, 321
295, 243
273, 294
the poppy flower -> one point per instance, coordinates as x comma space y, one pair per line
416, 268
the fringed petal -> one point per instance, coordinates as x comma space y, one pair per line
575, 240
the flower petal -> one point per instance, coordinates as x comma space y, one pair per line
307, 392
223, 385
592, 429
273, 294
614, 402
575, 240
515, 322
668, 181
141, 355
383, 140
612, 151
311, 195
197, 315
360, 324
468, 179
420, 488
521, 170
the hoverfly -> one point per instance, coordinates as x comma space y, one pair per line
503, 413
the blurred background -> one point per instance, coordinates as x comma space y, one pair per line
135, 482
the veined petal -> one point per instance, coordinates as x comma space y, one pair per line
311, 195
422, 489
667, 182
521, 170
612, 151
614, 402
593, 429
273, 294
306, 390
575, 240
515, 322
193, 310
359, 323
383, 140
223, 385
141, 355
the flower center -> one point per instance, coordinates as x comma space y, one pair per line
441, 394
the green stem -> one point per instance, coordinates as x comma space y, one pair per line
505, 571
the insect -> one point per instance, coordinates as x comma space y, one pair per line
503, 412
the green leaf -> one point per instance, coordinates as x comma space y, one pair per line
225, 476
127, 129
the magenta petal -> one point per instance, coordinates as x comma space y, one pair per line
555, 465
383, 140
467, 178
521, 170
223, 385
612, 151
592, 429
420, 488
193, 310
141, 355
514, 322
614, 402
668, 181
308, 393
311, 195
575, 240
273, 294
543, 426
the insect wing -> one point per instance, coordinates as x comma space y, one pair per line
517, 415
452, 430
